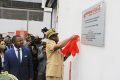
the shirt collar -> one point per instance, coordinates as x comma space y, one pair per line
16, 49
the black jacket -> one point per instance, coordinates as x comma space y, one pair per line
41, 63
23, 70
0, 64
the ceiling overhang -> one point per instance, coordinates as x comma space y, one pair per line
51, 3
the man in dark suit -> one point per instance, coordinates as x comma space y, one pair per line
0, 65
8, 43
18, 60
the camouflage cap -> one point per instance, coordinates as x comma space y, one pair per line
2, 47
51, 32
7, 76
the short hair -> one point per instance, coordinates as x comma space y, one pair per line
44, 29
6, 39
14, 38
8, 36
1, 36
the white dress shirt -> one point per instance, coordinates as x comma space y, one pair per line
16, 52
2, 59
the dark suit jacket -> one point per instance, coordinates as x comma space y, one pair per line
23, 70
8, 47
0, 64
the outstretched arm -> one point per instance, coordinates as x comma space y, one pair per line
64, 42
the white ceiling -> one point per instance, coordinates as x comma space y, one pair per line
36, 1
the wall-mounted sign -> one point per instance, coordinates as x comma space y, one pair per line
93, 25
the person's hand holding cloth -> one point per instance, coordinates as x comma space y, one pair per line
72, 46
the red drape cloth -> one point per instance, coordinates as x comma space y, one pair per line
71, 47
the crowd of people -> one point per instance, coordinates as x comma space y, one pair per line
32, 57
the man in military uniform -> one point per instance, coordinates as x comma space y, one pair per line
54, 66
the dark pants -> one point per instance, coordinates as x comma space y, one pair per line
41, 77
35, 75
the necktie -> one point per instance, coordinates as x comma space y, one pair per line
19, 55
9, 47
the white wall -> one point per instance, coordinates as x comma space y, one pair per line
7, 25
92, 63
